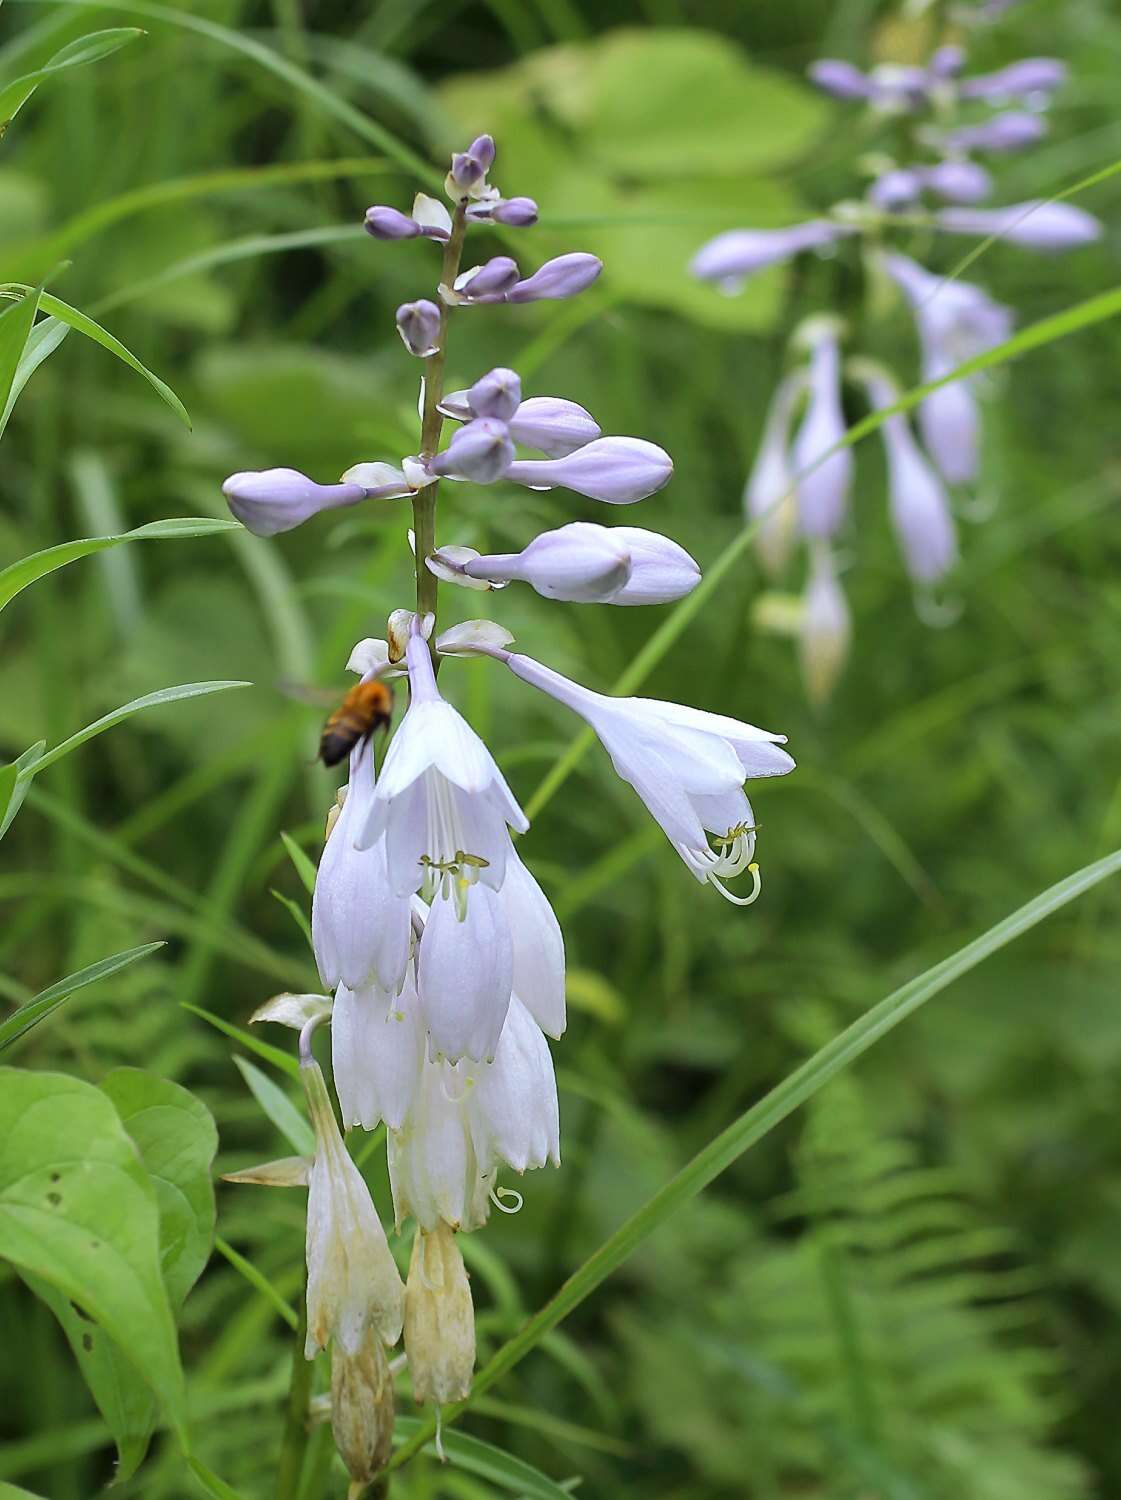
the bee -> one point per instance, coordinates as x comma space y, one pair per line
366, 708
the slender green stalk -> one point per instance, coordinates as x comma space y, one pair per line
294, 1442
754, 1124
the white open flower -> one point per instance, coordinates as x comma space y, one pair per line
353, 1283
376, 1045
688, 767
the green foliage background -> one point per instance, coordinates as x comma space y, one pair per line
911, 1289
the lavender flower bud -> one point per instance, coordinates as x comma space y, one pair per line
579, 563
661, 571
418, 323
1011, 131
481, 451
1036, 225
826, 627
564, 276
1031, 75
518, 213
273, 500
553, 425
823, 492
497, 394
467, 171
949, 423
958, 181
895, 189
920, 510
619, 470
768, 496
738, 253
947, 62
491, 281
840, 79
386, 223
482, 148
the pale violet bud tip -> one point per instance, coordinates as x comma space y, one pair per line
958, 181
619, 470
950, 427
516, 213
272, 500
661, 571
920, 510
1006, 132
497, 394
1031, 75
565, 276
481, 451
386, 223
1035, 225
947, 62
467, 171
439, 1319
840, 79
553, 425
738, 253
823, 483
482, 149
895, 189
493, 280
418, 323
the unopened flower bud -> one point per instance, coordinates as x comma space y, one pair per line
1035, 225
362, 1408
579, 563
769, 498
895, 189
482, 149
619, 470
494, 279
517, 213
826, 627
386, 223
823, 486
920, 510
467, 171
553, 425
497, 394
1031, 75
481, 451
947, 62
273, 500
418, 323
739, 253
1011, 131
950, 427
840, 79
958, 181
439, 1319
564, 276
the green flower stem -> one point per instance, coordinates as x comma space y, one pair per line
293, 1444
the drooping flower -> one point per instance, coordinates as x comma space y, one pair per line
823, 483
920, 509
769, 497
738, 253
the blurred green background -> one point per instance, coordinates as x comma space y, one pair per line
911, 1289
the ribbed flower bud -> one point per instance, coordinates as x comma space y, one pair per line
497, 394
564, 276
481, 451
269, 501
439, 1319
418, 323
362, 1409
619, 470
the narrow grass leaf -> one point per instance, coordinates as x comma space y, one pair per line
16, 323
282, 1060
210, 1481
305, 867
84, 49
11, 804
36, 1010
485, 1460
279, 1108
258, 1280
42, 342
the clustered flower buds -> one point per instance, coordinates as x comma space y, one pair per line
442, 953
800, 483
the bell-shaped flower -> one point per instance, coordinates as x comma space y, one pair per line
738, 253
360, 925
439, 1319
1034, 225
769, 498
823, 483
619, 470
688, 767
538, 947
352, 1284
465, 971
481, 450
826, 626
564, 276
418, 323
269, 501
920, 510
1026, 79
376, 1048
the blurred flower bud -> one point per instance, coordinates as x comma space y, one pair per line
899, 87
439, 1319
950, 427
418, 323
497, 394
564, 276
895, 189
362, 1408
920, 510
769, 496
269, 501
739, 253
958, 181
823, 491
826, 627
1011, 131
947, 62
619, 470
1036, 225
386, 223
840, 79
481, 451
1031, 75
517, 213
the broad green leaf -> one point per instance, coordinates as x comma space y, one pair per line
16, 323
73, 317
36, 1010
305, 866
84, 49
15, 578
292, 1125
757, 1122
78, 1209
17, 791
285, 1061
484, 1459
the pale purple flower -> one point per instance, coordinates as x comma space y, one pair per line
841, 79
769, 497
481, 450
1035, 225
564, 276
268, 501
896, 188
823, 486
950, 425
497, 394
738, 253
920, 509
1012, 131
418, 323
1023, 79
958, 181
619, 470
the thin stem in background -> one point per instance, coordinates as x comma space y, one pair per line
293, 1444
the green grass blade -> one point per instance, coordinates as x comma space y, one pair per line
36, 1010
16, 784
258, 1280
18, 575
484, 1459
285, 1061
42, 342
292, 1125
85, 49
15, 329
758, 1121
305, 867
